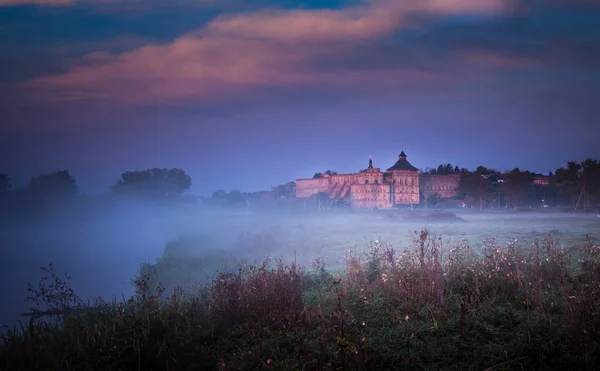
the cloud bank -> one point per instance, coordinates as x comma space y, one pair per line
238, 54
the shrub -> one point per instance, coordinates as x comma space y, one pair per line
431, 306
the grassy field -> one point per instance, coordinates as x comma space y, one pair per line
330, 235
383, 290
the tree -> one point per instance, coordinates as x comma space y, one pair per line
569, 181
236, 198
479, 185
516, 186
219, 194
433, 200
5, 185
57, 185
322, 175
590, 174
287, 190
443, 169
153, 183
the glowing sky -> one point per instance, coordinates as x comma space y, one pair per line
250, 94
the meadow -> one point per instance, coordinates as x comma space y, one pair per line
457, 289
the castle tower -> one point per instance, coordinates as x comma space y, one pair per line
402, 164
404, 179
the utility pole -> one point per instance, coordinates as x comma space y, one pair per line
584, 195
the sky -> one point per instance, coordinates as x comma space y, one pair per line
248, 94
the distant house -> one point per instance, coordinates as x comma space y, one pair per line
541, 180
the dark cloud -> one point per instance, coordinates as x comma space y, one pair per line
558, 38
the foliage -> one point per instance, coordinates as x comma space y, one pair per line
188, 262
432, 306
153, 183
446, 169
321, 175
433, 200
516, 186
56, 185
235, 198
5, 185
479, 186
286, 191
590, 173
568, 181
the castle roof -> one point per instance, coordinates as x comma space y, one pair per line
403, 164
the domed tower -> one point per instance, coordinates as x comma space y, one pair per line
404, 179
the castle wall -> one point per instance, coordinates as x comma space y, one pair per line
359, 178
371, 196
309, 187
328, 183
444, 185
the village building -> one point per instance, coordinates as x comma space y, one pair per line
400, 184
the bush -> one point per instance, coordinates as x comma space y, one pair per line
431, 306
188, 263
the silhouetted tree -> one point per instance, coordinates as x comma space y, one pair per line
5, 185
48, 189
478, 186
446, 169
433, 200
321, 175
287, 190
153, 183
569, 181
219, 194
517, 186
56, 185
236, 198
590, 174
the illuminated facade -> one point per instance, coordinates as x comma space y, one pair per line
372, 188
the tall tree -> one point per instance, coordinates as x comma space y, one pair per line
478, 186
153, 183
569, 181
443, 169
5, 185
433, 200
590, 174
287, 190
516, 186
56, 185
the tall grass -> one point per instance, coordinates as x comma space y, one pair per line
431, 306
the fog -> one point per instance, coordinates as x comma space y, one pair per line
102, 249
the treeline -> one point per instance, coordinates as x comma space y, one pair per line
280, 195
575, 185
59, 191
443, 170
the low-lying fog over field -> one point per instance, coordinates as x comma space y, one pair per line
103, 253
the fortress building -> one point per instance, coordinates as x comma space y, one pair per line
401, 184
